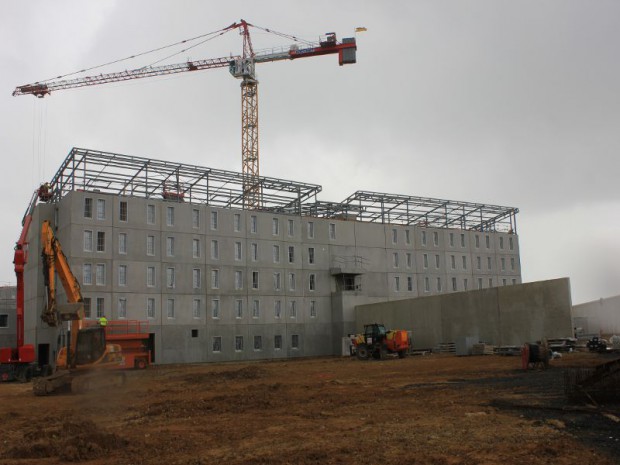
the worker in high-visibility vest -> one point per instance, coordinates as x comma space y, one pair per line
103, 321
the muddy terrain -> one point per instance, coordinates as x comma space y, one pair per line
433, 409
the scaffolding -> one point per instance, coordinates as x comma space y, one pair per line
124, 175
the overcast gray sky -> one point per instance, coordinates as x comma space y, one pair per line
491, 101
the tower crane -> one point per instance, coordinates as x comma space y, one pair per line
241, 67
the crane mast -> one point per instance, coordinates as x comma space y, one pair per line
241, 67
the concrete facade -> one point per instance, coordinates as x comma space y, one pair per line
221, 284
8, 335
509, 315
599, 317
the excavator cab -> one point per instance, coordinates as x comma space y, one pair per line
374, 333
91, 345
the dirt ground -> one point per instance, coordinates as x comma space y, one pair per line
433, 409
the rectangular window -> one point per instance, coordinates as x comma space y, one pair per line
292, 309
295, 341
394, 236
169, 216
291, 254
313, 309
276, 282
451, 239
122, 243
170, 308
215, 250
438, 284
87, 274
100, 307
150, 308
488, 241
277, 308
100, 209
489, 263
150, 245
237, 222
215, 279
88, 241
423, 237
122, 275
311, 255
501, 242
437, 261
490, 282
88, 207
464, 262
503, 261
150, 214
196, 248
195, 218
254, 279
258, 343
310, 230
100, 274
196, 308
238, 280
409, 260
253, 224
395, 259
425, 257
170, 278
409, 283
427, 284
477, 241
275, 226
454, 284
514, 281
215, 308
291, 228
255, 308
216, 346
214, 220
254, 251
238, 253
479, 283
512, 264
478, 263
407, 237
462, 240
452, 262
435, 238
100, 241
196, 278
332, 231
122, 212
170, 246
150, 276
238, 343
277, 342
87, 306
397, 283
291, 281
238, 308
510, 243
465, 284
276, 254
312, 282
122, 307
504, 282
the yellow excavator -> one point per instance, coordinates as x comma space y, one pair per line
87, 361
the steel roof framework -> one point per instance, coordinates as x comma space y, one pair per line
110, 173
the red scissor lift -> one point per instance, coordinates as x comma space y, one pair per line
134, 338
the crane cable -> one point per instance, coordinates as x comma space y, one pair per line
218, 32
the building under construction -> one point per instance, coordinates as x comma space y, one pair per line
219, 280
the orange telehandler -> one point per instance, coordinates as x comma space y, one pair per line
377, 342
88, 361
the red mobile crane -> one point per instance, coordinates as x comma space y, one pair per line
18, 363
241, 67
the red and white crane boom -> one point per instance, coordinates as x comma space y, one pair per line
241, 67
